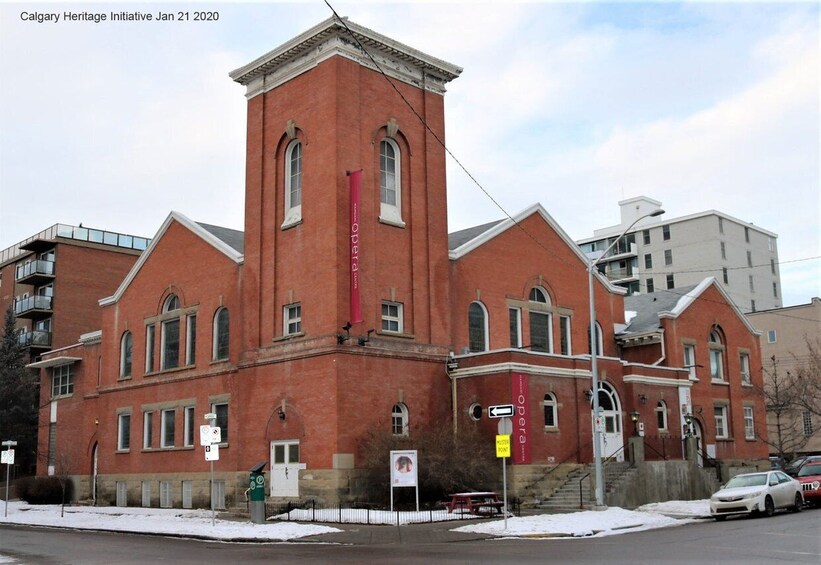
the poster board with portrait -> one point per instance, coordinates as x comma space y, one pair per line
404, 472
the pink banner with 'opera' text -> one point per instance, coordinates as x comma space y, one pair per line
521, 419
356, 304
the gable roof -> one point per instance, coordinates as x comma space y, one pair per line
208, 234
234, 238
462, 242
650, 308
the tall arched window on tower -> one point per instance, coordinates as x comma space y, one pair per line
399, 419
541, 321
170, 353
390, 182
221, 334
716, 346
126, 347
477, 327
293, 184
599, 340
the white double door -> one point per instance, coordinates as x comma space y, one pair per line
285, 468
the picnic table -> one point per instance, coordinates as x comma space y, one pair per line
475, 503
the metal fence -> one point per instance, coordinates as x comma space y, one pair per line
359, 513
663, 448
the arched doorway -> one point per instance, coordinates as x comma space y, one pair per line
697, 432
612, 440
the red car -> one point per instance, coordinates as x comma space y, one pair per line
809, 475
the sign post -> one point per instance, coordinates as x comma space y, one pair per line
503, 452
8, 459
207, 435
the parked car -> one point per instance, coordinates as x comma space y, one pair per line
795, 465
756, 493
810, 478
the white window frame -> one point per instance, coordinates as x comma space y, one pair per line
216, 408
690, 360
772, 336
126, 354
565, 330
399, 420
150, 332
668, 257
218, 334
549, 324
551, 405
398, 319
148, 429
288, 320
485, 336
293, 210
721, 421
744, 365
749, 423
515, 319
164, 428
391, 213
164, 366
716, 358
661, 416
191, 339
123, 439
62, 381
188, 426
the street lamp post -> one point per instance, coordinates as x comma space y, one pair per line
594, 369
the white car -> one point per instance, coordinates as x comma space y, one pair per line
756, 492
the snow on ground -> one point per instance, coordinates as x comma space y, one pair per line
197, 523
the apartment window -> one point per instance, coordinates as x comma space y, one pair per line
292, 318
390, 182
646, 236
148, 429
540, 335
149, 349
392, 319
477, 327
752, 283
293, 184
126, 346
661, 416
188, 436
221, 410
599, 340
749, 423
690, 361
399, 419
716, 356
515, 319
806, 420
744, 363
725, 275
221, 335
648, 261
191, 339
772, 336
551, 419
723, 250
167, 431
651, 286
752, 305
747, 234
665, 232
671, 282
564, 333
721, 225
668, 256
772, 266
171, 336
62, 381
775, 290
749, 258
720, 413
123, 432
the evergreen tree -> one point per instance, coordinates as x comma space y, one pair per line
19, 395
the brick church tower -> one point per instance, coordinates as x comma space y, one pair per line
319, 109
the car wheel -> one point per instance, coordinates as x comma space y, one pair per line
769, 507
720, 518
799, 503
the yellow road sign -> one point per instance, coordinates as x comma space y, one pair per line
503, 446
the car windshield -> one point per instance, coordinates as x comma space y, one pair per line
747, 481
807, 470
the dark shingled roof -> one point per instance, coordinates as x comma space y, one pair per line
461, 237
233, 238
647, 306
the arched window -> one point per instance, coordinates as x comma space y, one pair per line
293, 184
716, 346
399, 419
551, 416
221, 335
126, 347
170, 356
541, 321
599, 340
661, 415
390, 182
477, 327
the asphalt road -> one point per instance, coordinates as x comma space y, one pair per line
787, 538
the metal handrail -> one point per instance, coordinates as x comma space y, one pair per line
581, 490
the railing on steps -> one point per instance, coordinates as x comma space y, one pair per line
581, 490
556, 466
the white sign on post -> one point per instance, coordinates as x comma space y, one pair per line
7, 457
205, 435
212, 452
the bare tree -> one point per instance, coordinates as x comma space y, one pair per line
782, 397
808, 377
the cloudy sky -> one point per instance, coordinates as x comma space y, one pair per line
575, 105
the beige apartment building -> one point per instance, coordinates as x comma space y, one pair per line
662, 254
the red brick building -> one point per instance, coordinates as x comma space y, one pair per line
344, 306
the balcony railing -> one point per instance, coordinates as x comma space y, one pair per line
36, 338
38, 267
32, 303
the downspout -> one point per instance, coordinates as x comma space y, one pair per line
663, 350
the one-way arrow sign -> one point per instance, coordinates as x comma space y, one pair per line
500, 411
